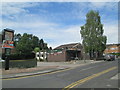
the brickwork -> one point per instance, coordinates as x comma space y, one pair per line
57, 57
112, 48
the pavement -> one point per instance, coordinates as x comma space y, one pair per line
44, 67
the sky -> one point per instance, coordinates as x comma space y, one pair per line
58, 23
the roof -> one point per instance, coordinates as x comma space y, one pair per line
113, 44
66, 46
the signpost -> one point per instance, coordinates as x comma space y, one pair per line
8, 42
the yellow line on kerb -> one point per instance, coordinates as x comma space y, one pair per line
36, 74
87, 78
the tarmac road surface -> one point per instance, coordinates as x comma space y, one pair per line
95, 75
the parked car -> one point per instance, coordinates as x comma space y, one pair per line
109, 57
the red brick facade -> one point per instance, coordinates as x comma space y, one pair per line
112, 48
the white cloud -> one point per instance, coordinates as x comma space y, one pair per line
70, 34
53, 33
14, 8
111, 31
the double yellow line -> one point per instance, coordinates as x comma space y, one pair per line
87, 78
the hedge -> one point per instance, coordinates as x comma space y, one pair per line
21, 63
118, 54
20, 60
19, 56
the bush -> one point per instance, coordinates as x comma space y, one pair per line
118, 54
19, 56
20, 63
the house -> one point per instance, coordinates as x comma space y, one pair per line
112, 48
66, 52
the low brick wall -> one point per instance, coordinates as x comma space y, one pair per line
57, 57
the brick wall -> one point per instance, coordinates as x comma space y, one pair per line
57, 57
112, 49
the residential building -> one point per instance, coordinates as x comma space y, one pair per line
112, 48
66, 52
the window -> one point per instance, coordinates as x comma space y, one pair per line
112, 48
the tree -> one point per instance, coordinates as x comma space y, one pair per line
37, 49
94, 41
17, 37
35, 42
45, 46
50, 48
24, 45
41, 44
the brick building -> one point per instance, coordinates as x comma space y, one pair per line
112, 48
66, 52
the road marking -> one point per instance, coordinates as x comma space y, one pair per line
12, 78
87, 78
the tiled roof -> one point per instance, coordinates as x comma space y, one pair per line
72, 45
113, 44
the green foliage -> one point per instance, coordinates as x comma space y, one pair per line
17, 37
27, 43
24, 45
43, 46
35, 42
17, 56
21, 63
92, 34
37, 49
118, 54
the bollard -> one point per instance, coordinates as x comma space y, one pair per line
6, 63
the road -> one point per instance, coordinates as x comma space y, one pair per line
95, 75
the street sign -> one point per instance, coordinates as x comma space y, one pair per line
8, 36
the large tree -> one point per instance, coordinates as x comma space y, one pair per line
24, 45
27, 43
43, 46
94, 41
35, 42
17, 38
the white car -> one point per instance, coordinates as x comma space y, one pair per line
109, 57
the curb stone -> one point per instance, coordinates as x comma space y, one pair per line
31, 74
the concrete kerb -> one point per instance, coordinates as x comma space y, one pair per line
31, 74
75, 64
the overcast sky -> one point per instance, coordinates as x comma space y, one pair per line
58, 22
